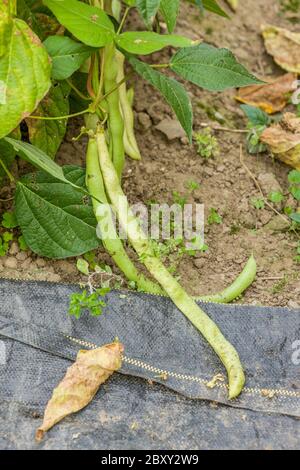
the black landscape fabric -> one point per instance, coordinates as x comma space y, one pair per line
162, 398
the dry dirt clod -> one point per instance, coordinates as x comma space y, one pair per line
11, 263
171, 128
277, 224
14, 248
144, 121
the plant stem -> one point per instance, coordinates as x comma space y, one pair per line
113, 245
115, 121
123, 20
81, 95
54, 118
226, 352
10, 176
130, 144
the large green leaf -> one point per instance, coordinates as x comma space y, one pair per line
67, 55
169, 10
148, 9
146, 42
211, 68
45, 134
24, 76
88, 24
173, 92
56, 220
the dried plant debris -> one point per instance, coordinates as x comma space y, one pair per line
81, 382
284, 46
283, 140
271, 97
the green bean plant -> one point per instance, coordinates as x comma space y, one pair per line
65, 58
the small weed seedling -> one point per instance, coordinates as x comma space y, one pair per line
207, 144
81, 72
214, 217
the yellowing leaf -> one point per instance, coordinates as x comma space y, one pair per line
284, 140
284, 46
81, 382
271, 97
24, 74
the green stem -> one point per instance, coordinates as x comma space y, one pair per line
130, 143
123, 20
10, 176
116, 125
55, 118
226, 352
113, 245
78, 92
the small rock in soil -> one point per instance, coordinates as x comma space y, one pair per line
144, 121
14, 249
171, 128
11, 263
293, 304
40, 262
21, 256
277, 224
269, 184
199, 262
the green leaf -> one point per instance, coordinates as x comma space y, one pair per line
83, 266
7, 156
47, 135
148, 10
67, 55
89, 24
213, 6
24, 76
169, 10
39, 159
173, 92
256, 116
57, 221
211, 68
294, 176
295, 217
9, 220
146, 42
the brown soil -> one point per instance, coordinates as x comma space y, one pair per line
167, 166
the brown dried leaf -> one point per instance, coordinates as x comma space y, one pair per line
81, 382
284, 140
271, 97
284, 46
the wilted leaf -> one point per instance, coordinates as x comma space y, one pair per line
284, 140
284, 46
80, 384
271, 97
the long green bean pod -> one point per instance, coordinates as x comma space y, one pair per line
115, 119
239, 285
130, 143
226, 352
113, 245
